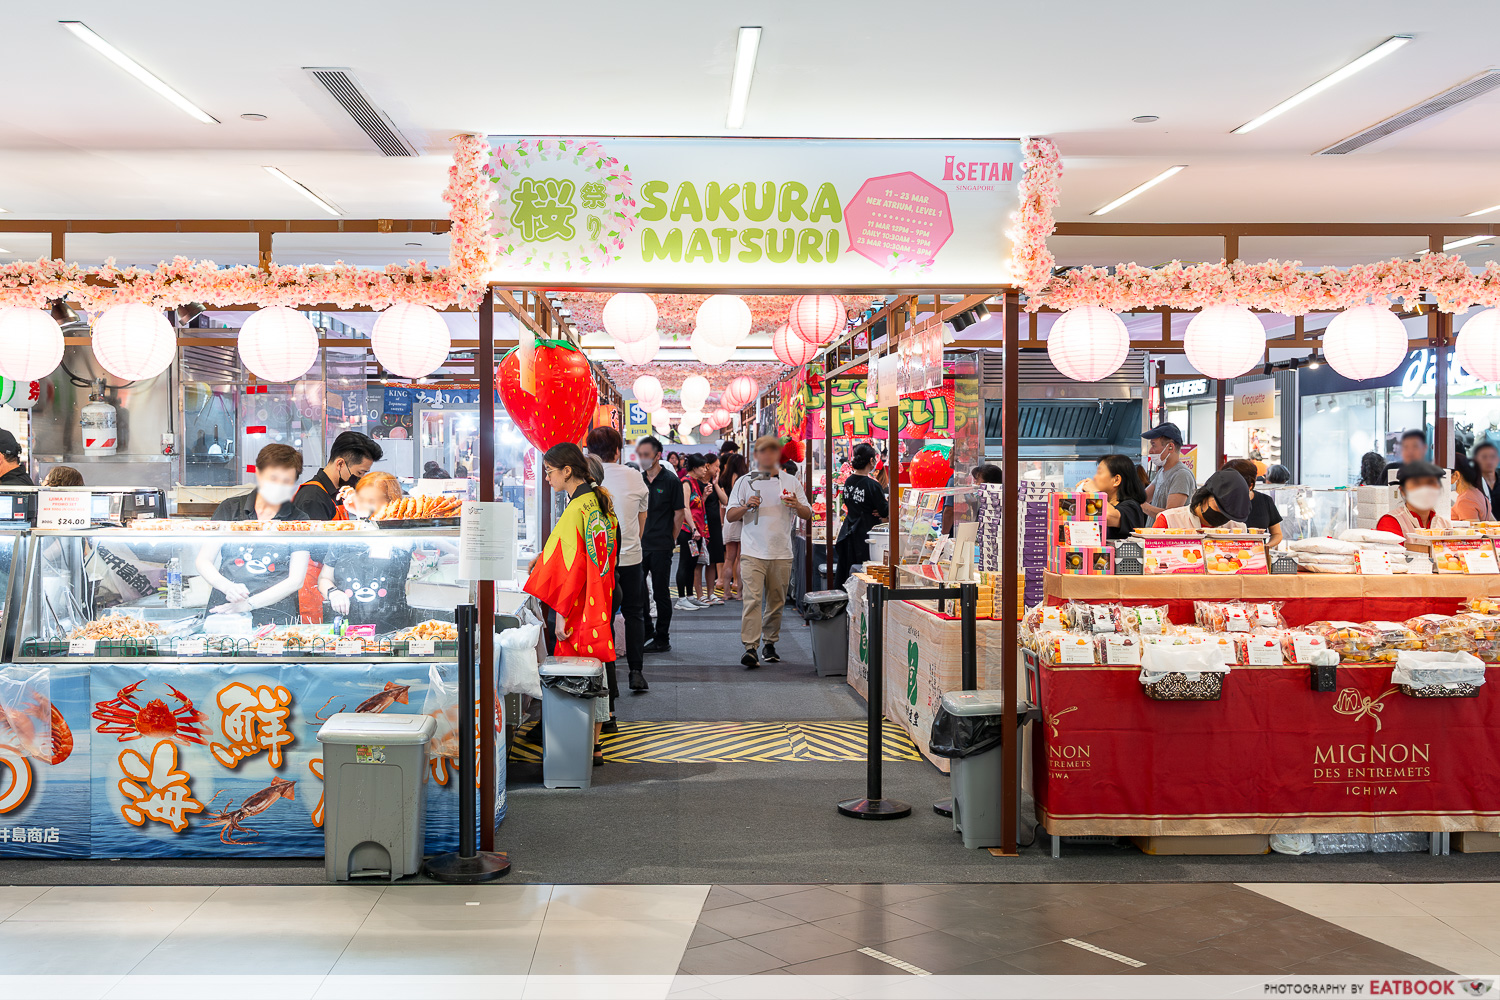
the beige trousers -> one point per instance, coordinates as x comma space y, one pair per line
762, 579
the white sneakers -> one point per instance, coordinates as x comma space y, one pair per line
687, 604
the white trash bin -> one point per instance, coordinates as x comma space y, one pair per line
374, 794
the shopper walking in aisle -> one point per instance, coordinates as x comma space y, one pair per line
692, 549
864, 506
1115, 477
627, 491
1172, 482
714, 502
766, 502
665, 513
575, 573
351, 456
734, 466
1263, 513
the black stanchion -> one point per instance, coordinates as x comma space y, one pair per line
874, 805
968, 602
469, 864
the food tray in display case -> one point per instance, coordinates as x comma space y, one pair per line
195, 594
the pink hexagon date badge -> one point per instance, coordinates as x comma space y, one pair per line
898, 219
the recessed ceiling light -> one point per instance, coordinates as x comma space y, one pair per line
1483, 245
252, 117
1140, 189
1483, 211
87, 35
1339, 75
3, 250
1146, 119
303, 190
745, 50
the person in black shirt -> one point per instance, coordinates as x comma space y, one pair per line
864, 507
1115, 477
350, 457
665, 515
1263, 513
258, 577
12, 472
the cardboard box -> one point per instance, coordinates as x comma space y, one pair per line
1475, 842
1245, 843
1464, 555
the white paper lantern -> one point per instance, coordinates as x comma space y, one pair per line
1088, 343
630, 317
639, 352
1478, 348
694, 392
661, 421
134, 342
708, 351
20, 395
692, 416
1364, 342
278, 344
33, 344
790, 348
648, 392
723, 320
739, 392
410, 340
1224, 341
817, 319
719, 418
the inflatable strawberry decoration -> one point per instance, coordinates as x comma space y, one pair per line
563, 404
930, 470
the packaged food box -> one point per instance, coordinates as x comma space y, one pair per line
1299, 647
1463, 555
1263, 649
1066, 648
1075, 560
1230, 555
1118, 650
1173, 554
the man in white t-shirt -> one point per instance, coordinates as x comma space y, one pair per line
766, 502
627, 491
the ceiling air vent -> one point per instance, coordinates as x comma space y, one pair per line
1471, 88
376, 123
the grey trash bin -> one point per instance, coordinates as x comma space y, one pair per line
374, 794
975, 780
568, 720
825, 611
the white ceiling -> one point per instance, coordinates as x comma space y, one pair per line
78, 139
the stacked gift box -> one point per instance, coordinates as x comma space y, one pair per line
1032, 530
1076, 534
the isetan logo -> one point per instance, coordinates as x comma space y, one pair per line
976, 170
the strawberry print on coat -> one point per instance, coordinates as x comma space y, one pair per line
563, 405
576, 578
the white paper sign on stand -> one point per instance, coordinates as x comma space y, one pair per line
59, 509
888, 387
487, 541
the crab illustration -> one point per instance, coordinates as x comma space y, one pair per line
122, 715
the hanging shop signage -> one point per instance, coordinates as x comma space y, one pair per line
1416, 376
719, 212
637, 422
941, 413
1255, 399
1185, 388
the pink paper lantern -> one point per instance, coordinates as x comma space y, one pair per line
719, 418
410, 340
629, 317
639, 352
1364, 342
1088, 343
739, 392
134, 342
705, 429
817, 319
1224, 341
790, 348
33, 344
278, 344
648, 392
1478, 348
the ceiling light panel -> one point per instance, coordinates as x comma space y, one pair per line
90, 38
1339, 75
303, 190
1140, 189
745, 50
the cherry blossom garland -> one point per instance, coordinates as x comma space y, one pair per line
1031, 261
32, 284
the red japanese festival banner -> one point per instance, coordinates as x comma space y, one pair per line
1271, 756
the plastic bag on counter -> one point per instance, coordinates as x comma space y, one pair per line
441, 705
518, 660
1327, 545
1418, 669
960, 736
1369, 536
1157, 661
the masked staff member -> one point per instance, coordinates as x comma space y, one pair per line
254, 576
351, 456
12, 472
1421, 491
1223, 500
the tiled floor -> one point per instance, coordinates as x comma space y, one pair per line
729, 942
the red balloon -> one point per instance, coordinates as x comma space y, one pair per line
563, 405
929, 470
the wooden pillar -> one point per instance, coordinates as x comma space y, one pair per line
1221, 415
263, 239
828, 476
893, 447
1010, 566
1439, 326
484, 366
59, 244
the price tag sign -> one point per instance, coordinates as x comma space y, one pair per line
1264, 652
59, 509
1076, 650
421, 647
349, 647
192, 647
1374, 563
81, 647
270, 647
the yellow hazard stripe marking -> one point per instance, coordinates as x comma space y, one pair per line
731, 742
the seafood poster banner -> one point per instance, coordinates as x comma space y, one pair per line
714, 212
189, 761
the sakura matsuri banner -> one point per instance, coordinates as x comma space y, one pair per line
717, 212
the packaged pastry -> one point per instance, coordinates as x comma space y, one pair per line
1097, 617
1118, 649
1173, 553
1426, 625
1485, 605
1147, 621
1234, 556
1299, 647
1266, 614
1342, 637
1066, 648
1261, 649
1222, 616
